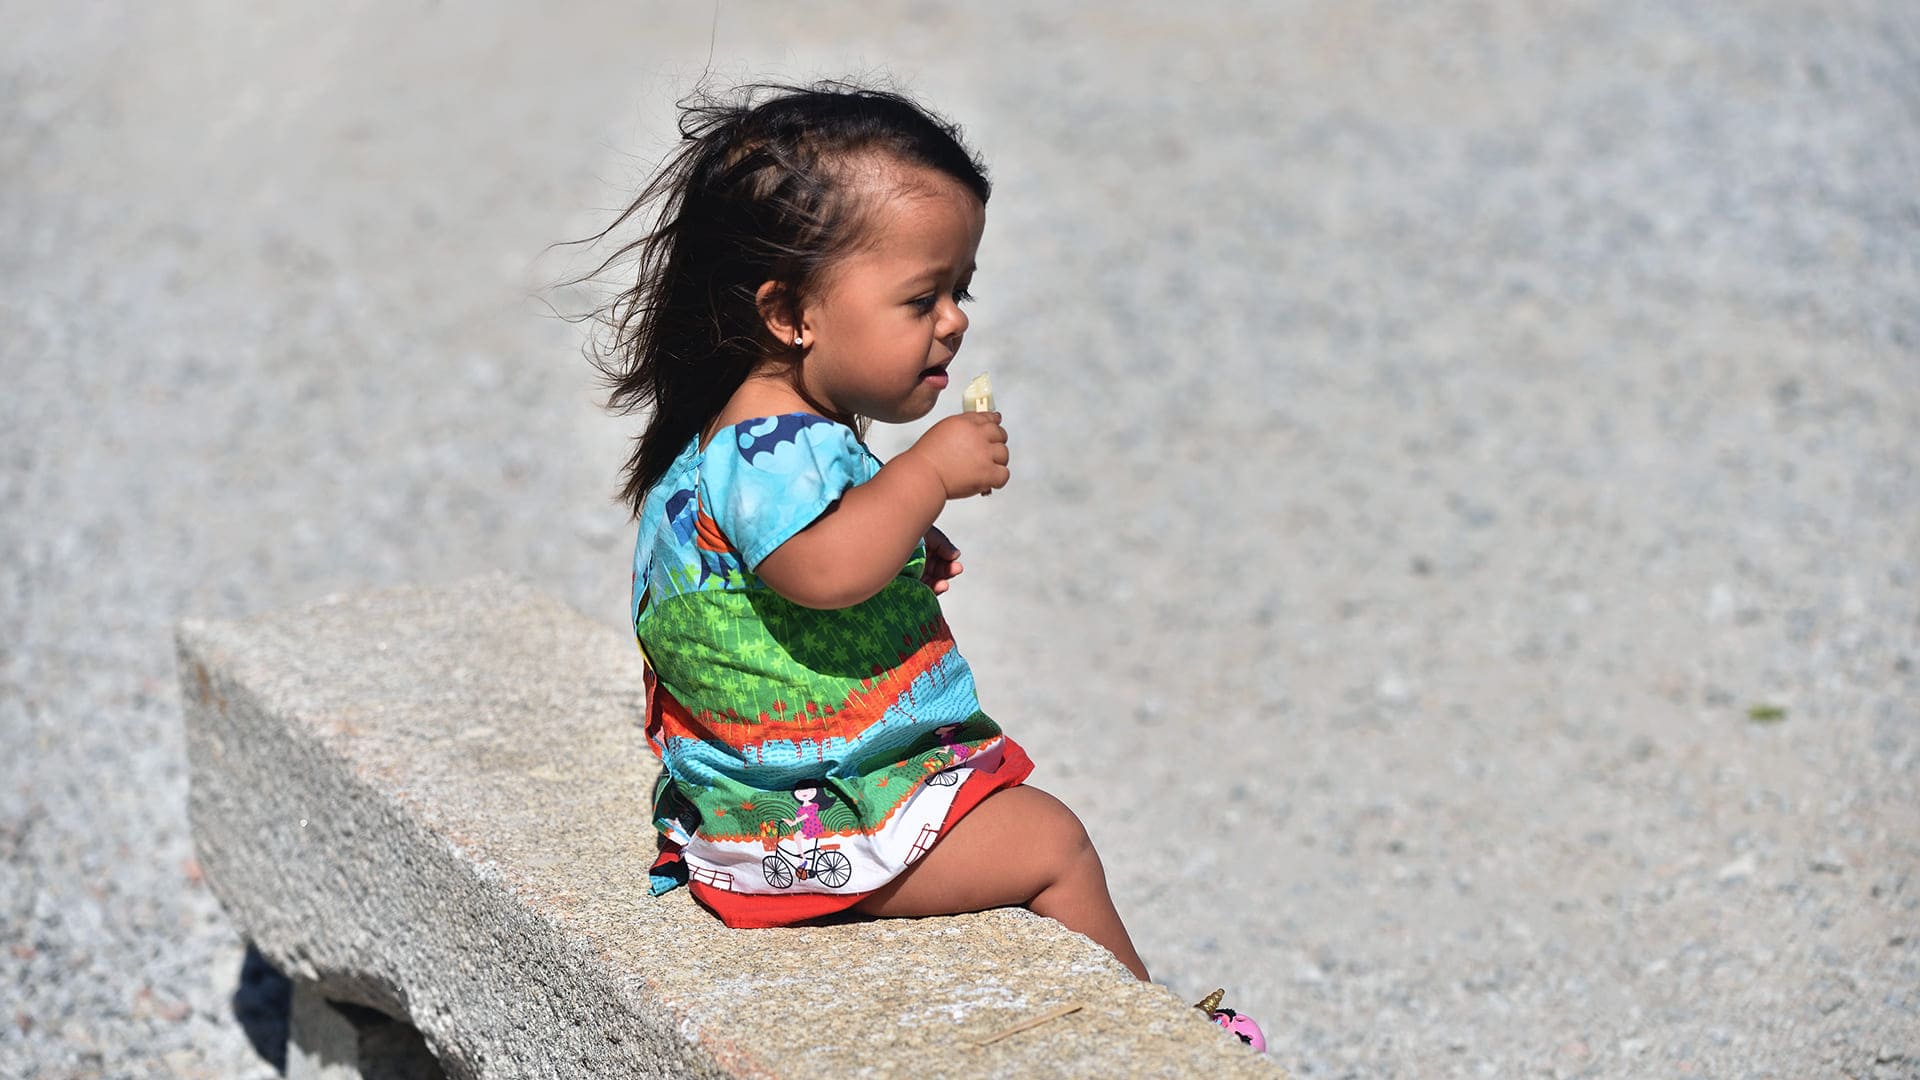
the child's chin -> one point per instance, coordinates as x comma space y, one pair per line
907, 412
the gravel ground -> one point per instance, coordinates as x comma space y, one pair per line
1465, 471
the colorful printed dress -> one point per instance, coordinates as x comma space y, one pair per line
808, 756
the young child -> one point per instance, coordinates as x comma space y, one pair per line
823, 748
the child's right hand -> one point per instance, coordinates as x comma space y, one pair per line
855, 548
968, 451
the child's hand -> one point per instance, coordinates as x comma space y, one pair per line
967, 451
943, 562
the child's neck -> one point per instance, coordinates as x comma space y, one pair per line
769, 391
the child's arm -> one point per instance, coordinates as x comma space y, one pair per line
850, 552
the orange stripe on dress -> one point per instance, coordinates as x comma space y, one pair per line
861, 708
707, 534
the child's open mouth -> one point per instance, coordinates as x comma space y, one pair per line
935, 375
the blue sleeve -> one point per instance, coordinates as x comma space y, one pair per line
765, 480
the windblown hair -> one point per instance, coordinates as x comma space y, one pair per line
757, 192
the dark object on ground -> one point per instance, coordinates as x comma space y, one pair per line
261, 1004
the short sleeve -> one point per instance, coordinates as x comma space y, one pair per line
764, 480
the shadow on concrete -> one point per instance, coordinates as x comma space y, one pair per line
262, 1002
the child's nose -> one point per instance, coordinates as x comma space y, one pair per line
956, 321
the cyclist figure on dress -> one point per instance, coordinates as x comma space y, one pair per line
807, 817
960, 751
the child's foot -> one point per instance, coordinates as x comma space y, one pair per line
1242, 1026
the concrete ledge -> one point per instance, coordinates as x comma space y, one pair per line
432, 802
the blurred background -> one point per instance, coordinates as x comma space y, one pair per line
1463, 555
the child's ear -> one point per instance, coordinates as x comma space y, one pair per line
778, 310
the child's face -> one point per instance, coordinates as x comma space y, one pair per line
888, 321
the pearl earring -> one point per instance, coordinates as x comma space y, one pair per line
796, 341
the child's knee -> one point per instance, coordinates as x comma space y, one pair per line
1064, 836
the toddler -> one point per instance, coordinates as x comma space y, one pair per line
822, 746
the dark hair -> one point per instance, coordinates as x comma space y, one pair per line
759, 191
823, 796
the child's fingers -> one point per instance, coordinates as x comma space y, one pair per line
937, 571
991, 422
939, 546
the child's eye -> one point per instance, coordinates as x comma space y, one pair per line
925, 304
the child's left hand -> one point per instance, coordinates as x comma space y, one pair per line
943, 561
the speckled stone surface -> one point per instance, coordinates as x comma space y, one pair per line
432, 802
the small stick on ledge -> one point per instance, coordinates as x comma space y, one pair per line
1054, 1013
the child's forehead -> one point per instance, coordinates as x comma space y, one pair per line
880, 175
878, 183
914, 207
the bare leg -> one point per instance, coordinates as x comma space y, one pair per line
1020, 846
